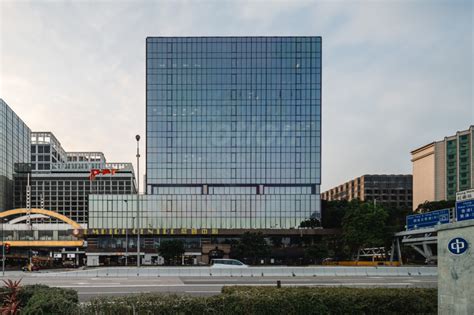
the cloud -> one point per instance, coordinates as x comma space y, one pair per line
396, 75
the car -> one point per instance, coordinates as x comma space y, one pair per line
227, 263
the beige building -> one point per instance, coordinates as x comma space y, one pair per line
442, 168
389, 190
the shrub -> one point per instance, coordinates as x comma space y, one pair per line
27, 291
148, 304
345, 300
272, 301
52, 301
11, 303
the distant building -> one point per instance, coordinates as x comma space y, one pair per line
14, 148
60, 180
442, 168
390, 190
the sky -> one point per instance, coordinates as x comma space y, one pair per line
396, 74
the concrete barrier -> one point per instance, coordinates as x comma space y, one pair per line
283, 271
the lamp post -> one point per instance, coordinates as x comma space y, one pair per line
137, 137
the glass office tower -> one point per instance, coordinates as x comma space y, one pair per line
14, 148
233, 130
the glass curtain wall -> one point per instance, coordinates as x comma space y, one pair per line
234, 129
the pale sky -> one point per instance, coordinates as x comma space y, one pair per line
396, 74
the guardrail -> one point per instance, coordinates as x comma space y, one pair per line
246, 272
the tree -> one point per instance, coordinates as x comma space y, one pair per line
363, 225
429, 206
277, 241
310, 223
171, 250
251, 247
316, 252
332, 213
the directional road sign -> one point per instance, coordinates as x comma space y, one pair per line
465, 210
426, 220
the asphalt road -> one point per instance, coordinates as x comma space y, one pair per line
89, 288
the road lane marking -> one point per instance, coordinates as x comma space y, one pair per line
241, 284
202, 291
112, 292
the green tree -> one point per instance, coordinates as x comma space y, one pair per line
332, 213
364, 225
277, 241
316, 252
429, 206
171, 250
310, 223
251, 247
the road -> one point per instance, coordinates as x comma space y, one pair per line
90, 287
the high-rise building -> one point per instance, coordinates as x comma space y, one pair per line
389, 190
442, 168
14, 148
233, 130
59, 180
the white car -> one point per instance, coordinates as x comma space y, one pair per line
227, 263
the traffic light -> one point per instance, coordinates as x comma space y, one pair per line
7, 248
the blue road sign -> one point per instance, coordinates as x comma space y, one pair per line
426, 220
458, 246
465, 210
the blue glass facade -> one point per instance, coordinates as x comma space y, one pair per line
14, 148
234, 130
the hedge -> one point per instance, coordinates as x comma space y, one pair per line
41, 299
52, 301
272, 301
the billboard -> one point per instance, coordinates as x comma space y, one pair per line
427, 220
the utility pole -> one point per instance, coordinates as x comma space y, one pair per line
137, 137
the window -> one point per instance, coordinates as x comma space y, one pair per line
298, 205
109, 205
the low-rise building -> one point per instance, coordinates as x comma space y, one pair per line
390, 190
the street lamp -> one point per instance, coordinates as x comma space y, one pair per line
137, 137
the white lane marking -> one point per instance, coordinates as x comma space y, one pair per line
102, 278
112, 292
238, 284
109, 283
202, 291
